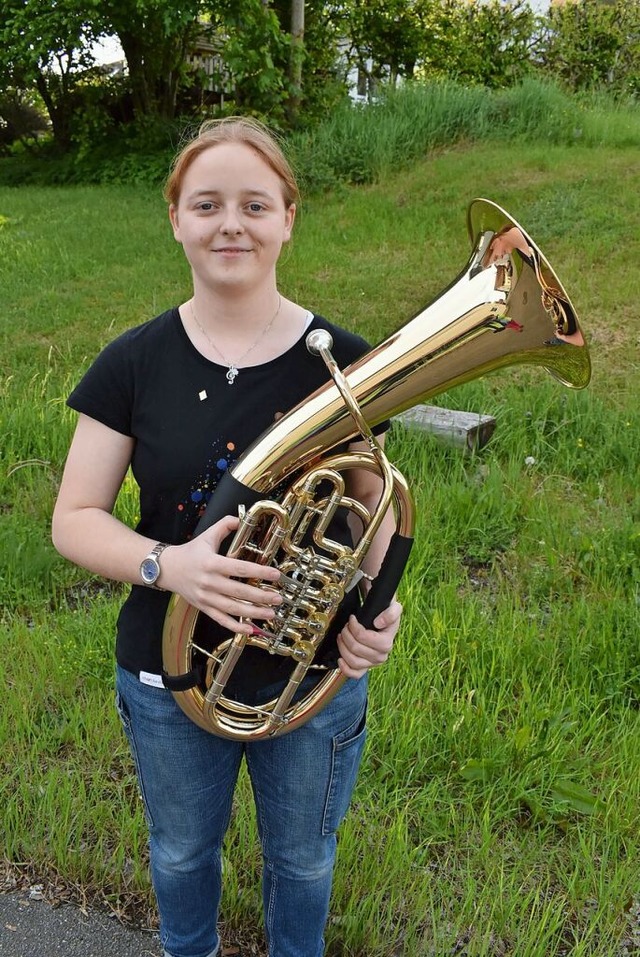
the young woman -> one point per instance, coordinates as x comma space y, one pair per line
178, 399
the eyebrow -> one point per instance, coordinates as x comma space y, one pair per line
251, 191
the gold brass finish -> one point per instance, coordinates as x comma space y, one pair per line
506, 307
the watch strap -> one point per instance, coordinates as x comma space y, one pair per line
157, 550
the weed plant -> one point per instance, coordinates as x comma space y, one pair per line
496, 812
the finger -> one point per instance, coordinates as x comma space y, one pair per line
351, 672
242, 569
234, 607
218, 532
238, 617
364, 657
356, 662
390, 616
354, 667
238, 568
374, 651
358, 636
228, 622
233, 566
238, 590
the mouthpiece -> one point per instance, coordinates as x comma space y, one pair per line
318, 340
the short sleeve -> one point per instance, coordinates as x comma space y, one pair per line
106, 392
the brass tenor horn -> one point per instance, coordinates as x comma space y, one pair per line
506, 307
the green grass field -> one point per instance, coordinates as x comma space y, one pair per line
496, 813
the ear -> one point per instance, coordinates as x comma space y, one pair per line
173, 218
289, 219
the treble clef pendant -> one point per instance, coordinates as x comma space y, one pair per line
232, 372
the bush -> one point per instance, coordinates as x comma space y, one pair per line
20, 120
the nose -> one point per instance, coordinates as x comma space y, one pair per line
231, 222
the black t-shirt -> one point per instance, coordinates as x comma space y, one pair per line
189, 427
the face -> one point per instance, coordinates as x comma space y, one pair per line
231, 218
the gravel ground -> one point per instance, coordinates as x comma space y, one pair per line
32, 927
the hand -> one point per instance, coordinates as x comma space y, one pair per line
362, 648
213, 583
503, 244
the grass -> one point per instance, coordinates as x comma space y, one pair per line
496, 812
368, 144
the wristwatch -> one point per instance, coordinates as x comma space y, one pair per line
150, 566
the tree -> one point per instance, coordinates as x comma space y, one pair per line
255, 54
155, 36
478, 41
485, 42
593, 44
46, 46
314, 79
386, 38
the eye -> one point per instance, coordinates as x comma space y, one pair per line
206, 205
256, 207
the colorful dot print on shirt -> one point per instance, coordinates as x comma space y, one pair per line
193, 505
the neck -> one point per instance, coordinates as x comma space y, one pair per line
230, 361
220, 312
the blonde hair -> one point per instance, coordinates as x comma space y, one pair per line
233, 129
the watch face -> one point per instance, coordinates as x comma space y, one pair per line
149, 570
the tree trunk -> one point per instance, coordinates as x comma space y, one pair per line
59, 113
133, 51
297, 58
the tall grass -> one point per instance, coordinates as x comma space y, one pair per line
363, 144
496, 812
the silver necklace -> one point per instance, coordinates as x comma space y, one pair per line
233, 371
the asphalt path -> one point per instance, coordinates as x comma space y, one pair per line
32, 927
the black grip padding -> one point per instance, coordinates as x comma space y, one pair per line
226, 499
181, 682
386, 583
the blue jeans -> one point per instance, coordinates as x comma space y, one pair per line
302, 784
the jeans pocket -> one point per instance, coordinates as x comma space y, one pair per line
347, 748
125, 717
